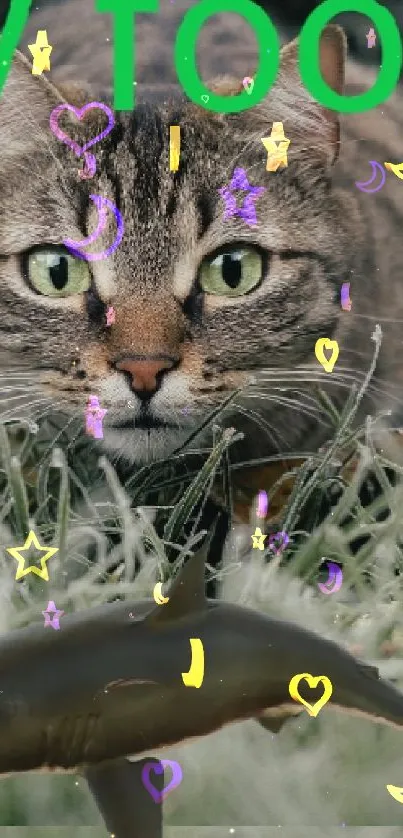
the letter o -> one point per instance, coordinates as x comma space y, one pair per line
269, 55
309, 55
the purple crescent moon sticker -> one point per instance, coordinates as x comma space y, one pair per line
75, 246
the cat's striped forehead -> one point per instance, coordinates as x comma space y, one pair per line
174, 219
136, 159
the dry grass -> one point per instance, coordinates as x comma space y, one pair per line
326, 771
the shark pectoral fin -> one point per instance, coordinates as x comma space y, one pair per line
126, 806
274, 725
187, 592
274, 721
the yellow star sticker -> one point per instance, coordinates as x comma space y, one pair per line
258, 539
41, 53
276, 145
15, 553
396, 168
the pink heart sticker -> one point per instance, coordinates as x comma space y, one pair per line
248, 84
79, 113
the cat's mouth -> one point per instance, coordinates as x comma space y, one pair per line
144, 423
144, 437
147, 431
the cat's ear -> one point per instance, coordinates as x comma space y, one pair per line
332, 59
25, 106
313, 129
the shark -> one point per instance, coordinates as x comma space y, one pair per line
107, 688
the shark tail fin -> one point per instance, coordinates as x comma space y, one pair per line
125, 805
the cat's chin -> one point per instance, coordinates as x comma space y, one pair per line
143, 446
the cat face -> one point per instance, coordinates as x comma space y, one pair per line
204, 306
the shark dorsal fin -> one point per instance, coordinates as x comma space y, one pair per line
187, 593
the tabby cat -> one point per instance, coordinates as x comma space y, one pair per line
204, 306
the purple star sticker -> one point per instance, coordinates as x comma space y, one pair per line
247, 210
52, 621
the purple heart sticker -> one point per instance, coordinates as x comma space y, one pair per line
79, 113
275, 537
159, 796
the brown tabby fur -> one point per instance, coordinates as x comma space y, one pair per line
316, 228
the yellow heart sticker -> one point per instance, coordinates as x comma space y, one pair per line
326, 343
313, 681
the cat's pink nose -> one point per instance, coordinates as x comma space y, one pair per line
146, 373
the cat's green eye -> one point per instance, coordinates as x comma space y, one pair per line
232, 273
54, 273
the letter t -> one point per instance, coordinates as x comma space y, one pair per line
124, 39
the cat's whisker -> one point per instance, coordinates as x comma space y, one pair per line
302, 408
373, 386
16, 374
267, 426
11, 414
12, 389
289, 383
308, 370
8, 384
55, 439
341, 376
312, 412
309, 398
372, 390
21, 397
66, 407
288, 403
310, 407
344, 377
344, 380
41, 398
375, 378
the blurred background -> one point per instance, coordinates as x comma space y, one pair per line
289, 14
82, 49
